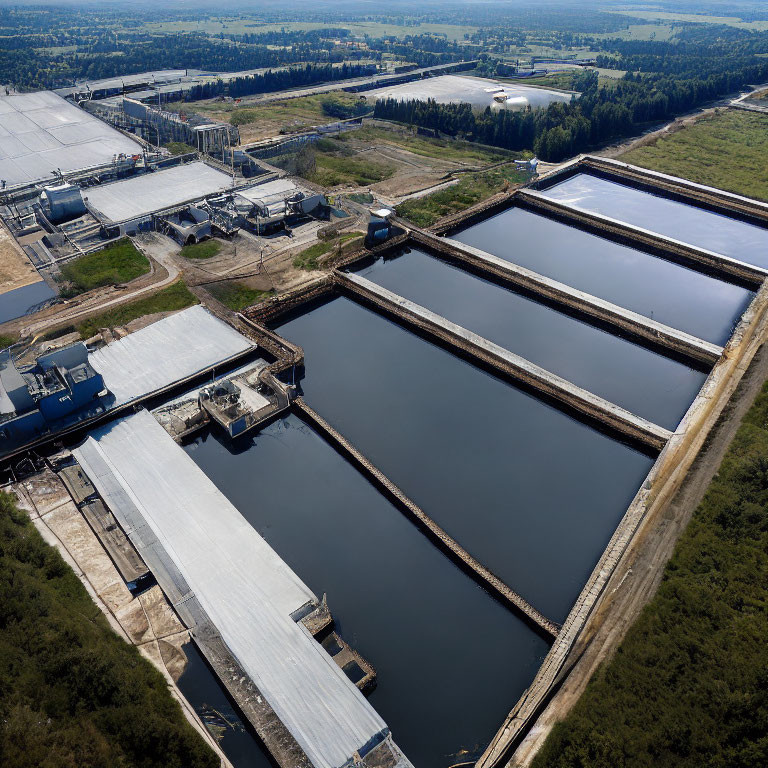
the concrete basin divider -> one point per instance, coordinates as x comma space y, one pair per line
584, 403
632, 323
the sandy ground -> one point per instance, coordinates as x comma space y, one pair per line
638, 575
16, 270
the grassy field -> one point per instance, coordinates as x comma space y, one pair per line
119, 262
74, 693
441, 149
688, 686
215, 26
205, 250
727, 150
471, 189
176, 296
257, 121
700, 18
308, 258
236, 295
559, 80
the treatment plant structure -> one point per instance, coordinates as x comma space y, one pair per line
385, 506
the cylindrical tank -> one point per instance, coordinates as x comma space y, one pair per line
62, 202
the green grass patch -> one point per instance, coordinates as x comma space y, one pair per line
176, 296
470, 190
441, 149
74, 692
332, 170
119, 262
728, 150
179, 148
687, 686
204, 250
308, 259
558, 80
6, 341
237, 296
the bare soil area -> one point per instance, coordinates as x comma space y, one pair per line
16, 270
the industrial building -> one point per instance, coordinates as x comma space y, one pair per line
477, 91
62, 387
77, 384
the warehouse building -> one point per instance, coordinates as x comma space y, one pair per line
43, 135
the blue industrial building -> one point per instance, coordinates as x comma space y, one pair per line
60, 389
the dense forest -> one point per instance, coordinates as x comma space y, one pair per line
74, 694
688, 687
675, 84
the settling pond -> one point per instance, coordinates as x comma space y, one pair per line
662, 290
531, 492
681, 221
451, 660
646, 383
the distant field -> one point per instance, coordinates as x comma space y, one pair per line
701, 18
727, 150
371, 28
260, 121
441, 149
660, 32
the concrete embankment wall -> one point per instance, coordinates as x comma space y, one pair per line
584, 403
662, 482
616, 318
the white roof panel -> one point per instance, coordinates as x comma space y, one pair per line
141, 195
245, 588
32, 124
170, 350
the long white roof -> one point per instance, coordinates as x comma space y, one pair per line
41, 132
150, 192
244, 587
170, 350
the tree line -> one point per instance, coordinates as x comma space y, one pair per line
600, 114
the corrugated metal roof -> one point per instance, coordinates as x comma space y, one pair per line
244, 587
141, 195
262, 194
41, 132
170, 350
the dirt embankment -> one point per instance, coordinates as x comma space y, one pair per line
638, 576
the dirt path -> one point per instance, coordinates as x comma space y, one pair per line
636, 580
164, 272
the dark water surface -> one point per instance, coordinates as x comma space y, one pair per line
532, 493
646, 383
687, 223
659, 289
204, 692
450, 659
22, 300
